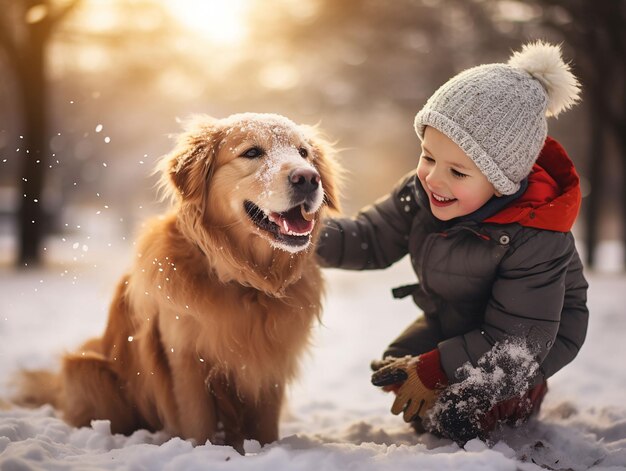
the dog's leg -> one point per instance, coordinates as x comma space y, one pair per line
92, 381
230, 411
196, 409
92, 390
262, 418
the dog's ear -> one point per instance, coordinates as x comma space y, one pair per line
187, 169
326, 164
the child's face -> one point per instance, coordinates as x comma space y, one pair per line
452, 181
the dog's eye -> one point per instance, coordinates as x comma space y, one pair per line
303, 152
252, 153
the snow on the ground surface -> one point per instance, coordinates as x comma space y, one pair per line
335, 419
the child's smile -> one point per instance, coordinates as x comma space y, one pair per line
441, 201
454, 184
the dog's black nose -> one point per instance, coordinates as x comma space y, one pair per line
304, 180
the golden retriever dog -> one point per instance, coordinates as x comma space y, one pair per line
207, 328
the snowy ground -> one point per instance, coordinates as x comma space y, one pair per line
335, 419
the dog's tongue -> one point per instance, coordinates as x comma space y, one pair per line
292, 222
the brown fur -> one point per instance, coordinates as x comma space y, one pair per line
207, 328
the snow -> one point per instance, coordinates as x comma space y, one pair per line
504, 372
335, 420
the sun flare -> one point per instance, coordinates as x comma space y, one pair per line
220, 21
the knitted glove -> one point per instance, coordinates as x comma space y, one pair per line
420, 380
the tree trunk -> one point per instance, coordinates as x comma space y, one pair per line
595, 164
622, 150
31, 80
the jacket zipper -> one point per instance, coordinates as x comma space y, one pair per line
427, 245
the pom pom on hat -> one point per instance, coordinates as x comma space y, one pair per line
496, 113
543, 61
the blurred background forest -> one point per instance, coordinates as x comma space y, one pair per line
90, 91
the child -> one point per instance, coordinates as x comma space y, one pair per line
486, 220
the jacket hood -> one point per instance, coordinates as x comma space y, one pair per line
552, 199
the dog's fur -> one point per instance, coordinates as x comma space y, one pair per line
207, 328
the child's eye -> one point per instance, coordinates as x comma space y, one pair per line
457, 174
430, 160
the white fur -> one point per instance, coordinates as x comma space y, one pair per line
544, 62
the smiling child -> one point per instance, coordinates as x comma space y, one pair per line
486, 219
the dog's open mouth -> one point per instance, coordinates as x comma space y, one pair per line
292, 227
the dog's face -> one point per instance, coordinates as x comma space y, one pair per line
257, 173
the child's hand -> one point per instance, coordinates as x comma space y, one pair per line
419, 381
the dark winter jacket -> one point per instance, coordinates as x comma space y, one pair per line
500, 272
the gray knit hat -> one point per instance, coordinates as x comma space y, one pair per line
496, 113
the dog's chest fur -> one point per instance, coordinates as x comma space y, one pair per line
250, 336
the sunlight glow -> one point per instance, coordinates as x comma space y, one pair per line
220, 21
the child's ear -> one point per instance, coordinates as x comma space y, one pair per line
498, 194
